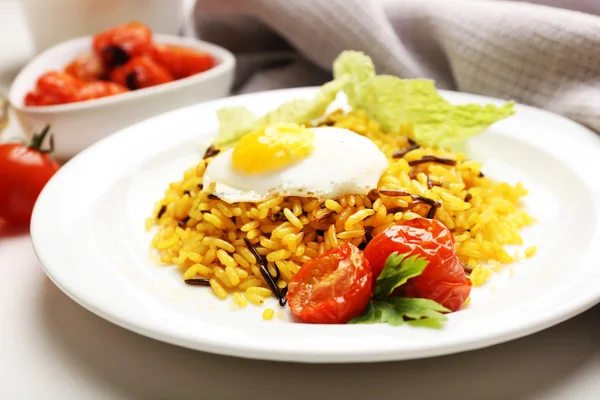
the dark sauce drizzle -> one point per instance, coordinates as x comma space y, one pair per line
264, 271
432, 211
184, 221
198, 282
211, 152
366, 240
405, 151
432, 159
434, 204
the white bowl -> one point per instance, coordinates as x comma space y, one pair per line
78, 125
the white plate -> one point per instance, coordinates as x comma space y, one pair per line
88, 232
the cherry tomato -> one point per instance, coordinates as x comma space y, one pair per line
87, 67
180, 61
333, 288
140, 72
37, 98
117, 45
97, 89
26, 169
54, 88
443, 280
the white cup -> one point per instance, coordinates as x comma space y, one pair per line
53, 21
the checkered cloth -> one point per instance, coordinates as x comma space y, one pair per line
543, 56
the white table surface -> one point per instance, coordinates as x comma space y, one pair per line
51, 348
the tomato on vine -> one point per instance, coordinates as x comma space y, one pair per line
25, 170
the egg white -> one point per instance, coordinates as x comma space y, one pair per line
342, 162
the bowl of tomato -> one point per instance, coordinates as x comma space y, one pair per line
90, 87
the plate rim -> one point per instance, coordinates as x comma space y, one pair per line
300, 355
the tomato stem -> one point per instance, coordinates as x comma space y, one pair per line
38, 139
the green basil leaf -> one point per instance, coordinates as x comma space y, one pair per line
396, 310
397, 270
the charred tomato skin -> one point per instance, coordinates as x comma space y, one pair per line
117, 45
140, 72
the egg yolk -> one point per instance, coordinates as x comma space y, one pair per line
272, 148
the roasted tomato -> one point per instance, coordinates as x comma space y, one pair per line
140, 72
117, 45
37, 98
87, 67
25, 170
333, 288
180, 61
54, 88
443, 280
95, 90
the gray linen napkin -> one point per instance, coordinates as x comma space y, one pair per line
543, 56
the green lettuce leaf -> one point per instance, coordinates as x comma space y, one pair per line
300, 111
387, 99
357, 68
397, 270
394, 311
235, 122
393, 101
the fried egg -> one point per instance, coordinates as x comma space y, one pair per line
290, 160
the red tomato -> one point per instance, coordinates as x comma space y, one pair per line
54, 88
25, 171
116, 45
37, 98
95, 90
87, 67
333, 288
443, 280
140, 72
180, 61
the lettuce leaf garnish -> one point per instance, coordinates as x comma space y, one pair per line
392, 101
387, 99
299, 111
358, 68
235, 122
385, 308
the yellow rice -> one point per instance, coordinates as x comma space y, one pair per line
268, 314
205, 237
